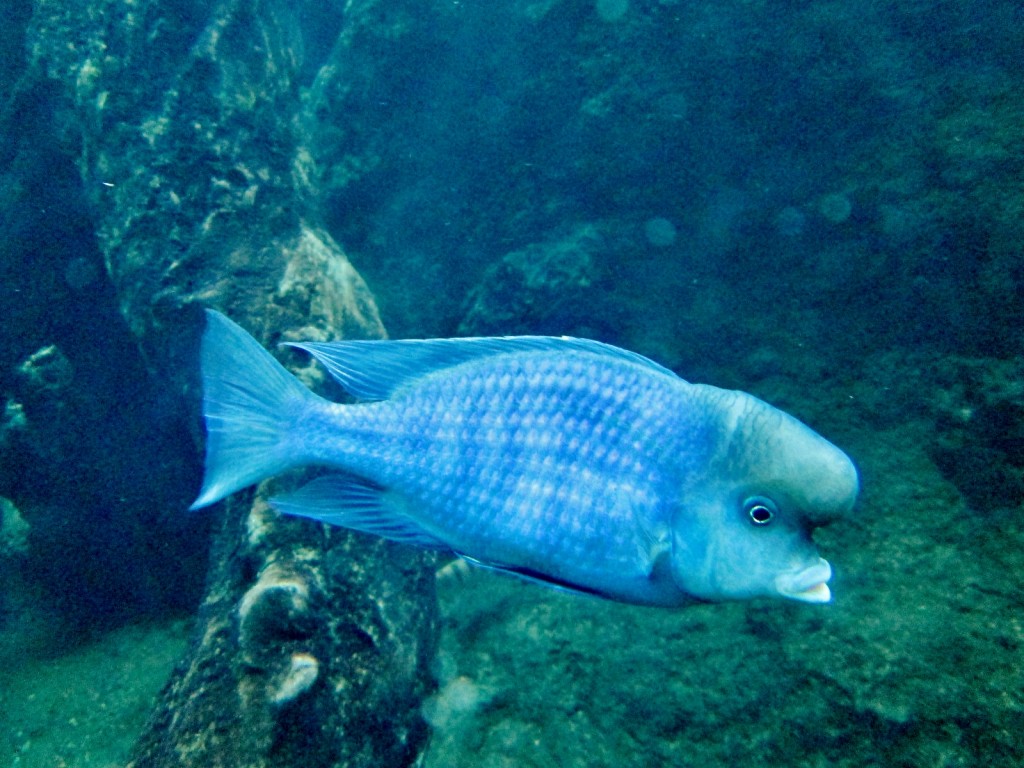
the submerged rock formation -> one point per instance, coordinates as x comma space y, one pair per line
310, 644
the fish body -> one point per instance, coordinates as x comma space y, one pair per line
564, 461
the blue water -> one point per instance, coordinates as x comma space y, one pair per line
817, 203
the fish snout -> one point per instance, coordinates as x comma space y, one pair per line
808, 585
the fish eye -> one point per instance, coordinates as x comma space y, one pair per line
760, 510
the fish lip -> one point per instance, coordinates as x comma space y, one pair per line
808, 585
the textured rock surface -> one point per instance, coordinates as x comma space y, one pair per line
311, 646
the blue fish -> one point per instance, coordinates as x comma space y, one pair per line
560, 460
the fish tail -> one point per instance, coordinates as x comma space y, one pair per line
250, 404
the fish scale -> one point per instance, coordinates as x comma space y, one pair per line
564, 461
408, 444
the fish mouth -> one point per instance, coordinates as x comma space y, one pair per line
809, 585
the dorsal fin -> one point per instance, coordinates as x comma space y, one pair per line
373, 370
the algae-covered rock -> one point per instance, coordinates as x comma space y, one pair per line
183, 123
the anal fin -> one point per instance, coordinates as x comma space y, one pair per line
537, 577
352, 502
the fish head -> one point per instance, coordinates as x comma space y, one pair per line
742, 528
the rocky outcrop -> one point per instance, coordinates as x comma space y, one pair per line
311, 645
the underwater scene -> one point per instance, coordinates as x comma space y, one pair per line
722, 465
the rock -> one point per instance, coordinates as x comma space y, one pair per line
539, 289
310, 646
979, 443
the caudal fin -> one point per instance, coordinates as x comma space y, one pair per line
249, 404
